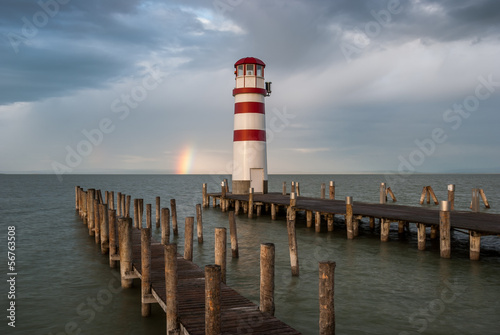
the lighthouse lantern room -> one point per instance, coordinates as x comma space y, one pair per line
249, 139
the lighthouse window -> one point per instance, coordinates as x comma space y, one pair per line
240, 70
250, 70
259, 70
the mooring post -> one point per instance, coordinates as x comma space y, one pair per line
292, 241
165, 226
444, 229
383, 193
97, 222
475, 245
113, 249
292, 189
204, 196
199, 223
234, 235
125, 249
317, 221
421, 236
451, 196
250, 202
172, 309
173, 210
297, 188
293, 199
323, 190
284, 188
148, 216
223, 205
475, 200
326, 298
145, 270
267, 255
158, 212
212, 300
103, 213
332, 190
188, 238
349, 218
220, 251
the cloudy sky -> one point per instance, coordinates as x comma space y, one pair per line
108, 85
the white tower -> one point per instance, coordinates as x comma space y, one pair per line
249, 140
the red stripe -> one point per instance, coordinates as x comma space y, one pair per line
249, 107
249, 90
249, 135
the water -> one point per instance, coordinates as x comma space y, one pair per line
64, 285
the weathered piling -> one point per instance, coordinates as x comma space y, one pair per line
172, 308
113, 248
145, 271
111, 200
293, 199
389, 191
326, 298
127, 206
136, 213
165, 226
483, 197
188, 238
125, 249
382, 194
475, 200
332, 190
317, 221
323, 190
119, 204
475, 245
297, 188
451, 196
90, 210
173, 211
444, 230
212, 300
250, 203
204, 192
148, 216
267, 255
158, 213
223, 201
330, 218
77, 189
292, 241
273, 211
97, 222
349, 218
220, 251
234, 235
103, 214
141, 211
421, 236
309, 215
385, 225
199, 223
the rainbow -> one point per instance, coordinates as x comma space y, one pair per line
185, 162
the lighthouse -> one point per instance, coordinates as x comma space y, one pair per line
249, 138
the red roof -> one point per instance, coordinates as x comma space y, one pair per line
249, 60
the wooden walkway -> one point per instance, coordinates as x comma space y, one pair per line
238, 314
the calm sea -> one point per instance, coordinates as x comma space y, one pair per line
64, 286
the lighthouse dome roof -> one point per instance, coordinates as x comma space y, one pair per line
249, 60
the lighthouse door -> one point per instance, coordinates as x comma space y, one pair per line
257, 180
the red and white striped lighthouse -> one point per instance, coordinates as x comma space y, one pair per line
249, 140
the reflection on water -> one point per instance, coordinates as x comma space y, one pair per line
65, 285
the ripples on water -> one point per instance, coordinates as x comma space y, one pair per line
65, 285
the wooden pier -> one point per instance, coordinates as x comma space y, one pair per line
195, 301
475, 224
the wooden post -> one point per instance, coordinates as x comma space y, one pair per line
355, 225
401, 227
97, 222
332, 190
237, 207
421, 236
444, 230
323, 190
158, 212
125, 248
297, 188
145, 270
136, 213
428, 194
90, 210
326, 298
284, 188
292, 241
148, 216
309, 215
234, 235
292, 187
127, 207
204, 196
372, 222
113, 249
434, 198
389, 191
317, 221
141, 211
77, 189
212, 300
173, 210
475, 245
483, 196
188, 238
112, 200
293, 199
451, 196
422, 196
330, 218
385, 225
383, 194
220, 251
273, 211
103, 213
119, 204
165, 226
250, 203
172, 309
434, 232
267, 255
199, 223
223, 204
349, 218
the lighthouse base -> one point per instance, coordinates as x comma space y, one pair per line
243, 186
